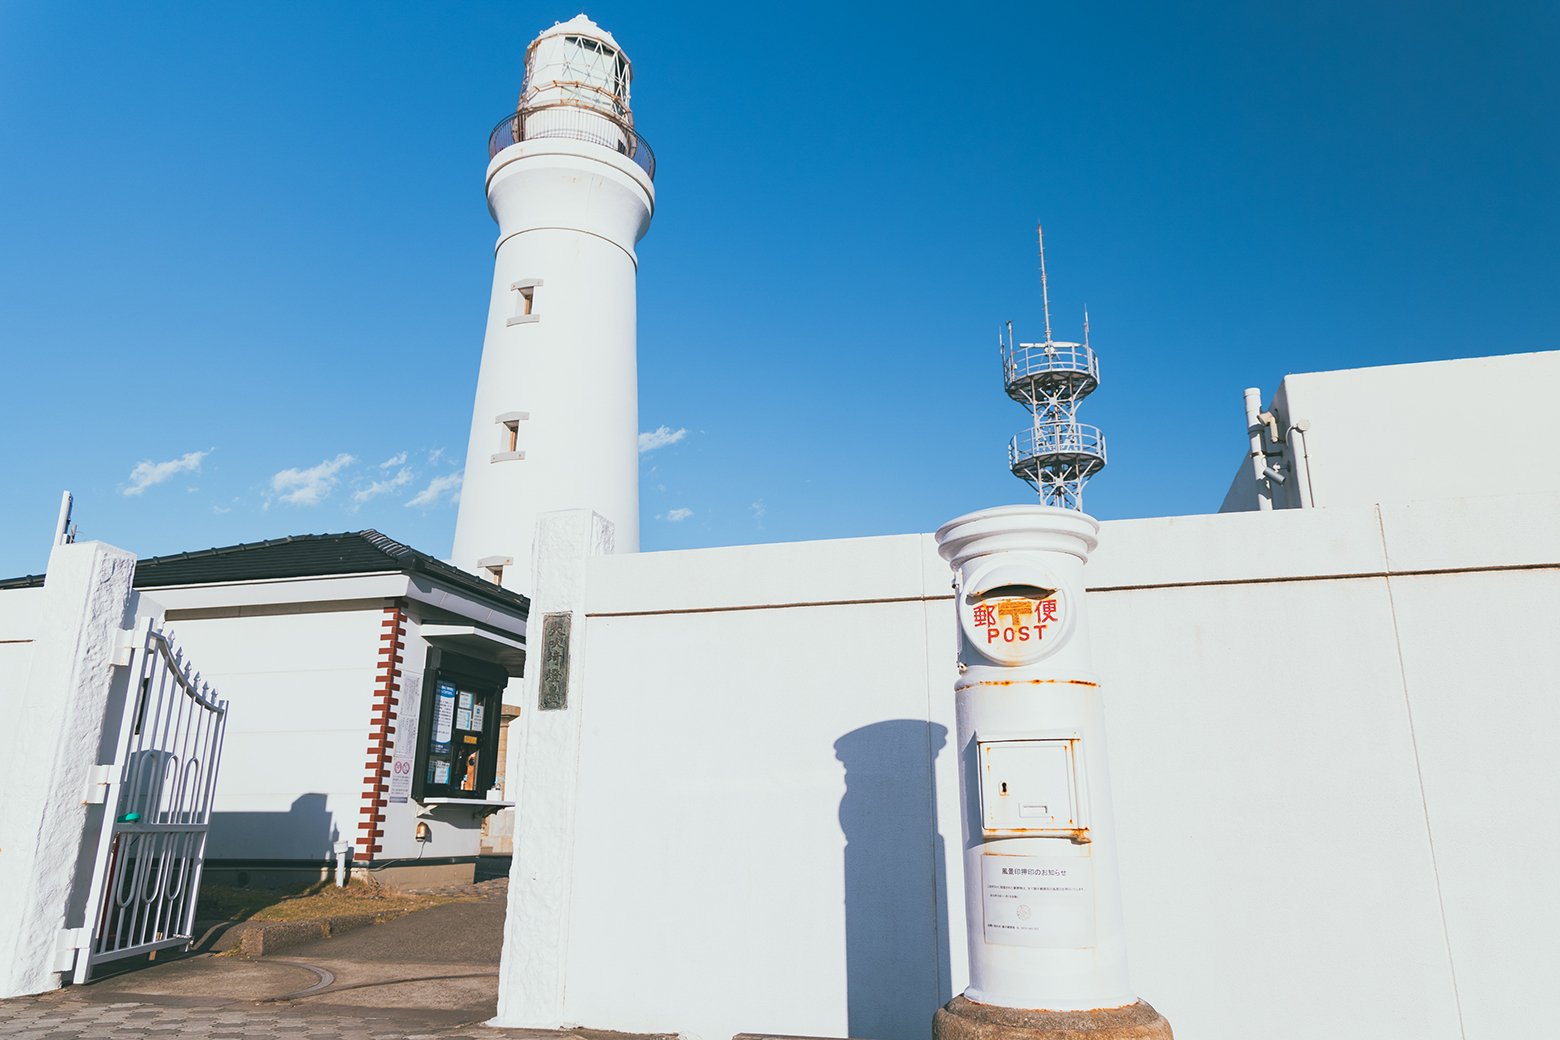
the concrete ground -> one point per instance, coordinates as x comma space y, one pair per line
431, 974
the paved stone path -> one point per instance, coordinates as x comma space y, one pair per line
64, 1016
430, 975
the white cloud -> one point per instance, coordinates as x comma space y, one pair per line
375, 488
435, 455
438, 488
759, 511
678, 515
308, 487
393, 461
148, 473
660, 437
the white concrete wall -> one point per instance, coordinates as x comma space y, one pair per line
19, 613
1330, 764
60, 725
1396, 433
301, 685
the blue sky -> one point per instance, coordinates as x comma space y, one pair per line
245, 256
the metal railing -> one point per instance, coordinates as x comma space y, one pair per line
1059, 442
573, 122
1027, 360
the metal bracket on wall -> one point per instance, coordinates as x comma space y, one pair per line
98, 782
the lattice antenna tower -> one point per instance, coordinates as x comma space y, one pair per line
1057, 454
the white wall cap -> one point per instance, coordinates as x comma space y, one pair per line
1227, 547
1176, 550
1460, 533
847, 570
1332, 541
1518, 362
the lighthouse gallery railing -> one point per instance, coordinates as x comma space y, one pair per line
571, 122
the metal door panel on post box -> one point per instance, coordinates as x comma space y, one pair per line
1031, 787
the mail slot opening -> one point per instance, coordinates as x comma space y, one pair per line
1012, 592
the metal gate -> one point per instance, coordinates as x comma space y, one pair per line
157, 797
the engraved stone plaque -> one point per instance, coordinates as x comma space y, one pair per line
555, 661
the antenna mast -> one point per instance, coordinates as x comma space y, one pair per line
1057, 454
1045, 291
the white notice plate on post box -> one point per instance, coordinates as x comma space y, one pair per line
1038, 900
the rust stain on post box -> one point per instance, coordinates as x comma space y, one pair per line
1030, 682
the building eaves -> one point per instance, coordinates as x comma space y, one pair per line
306, 556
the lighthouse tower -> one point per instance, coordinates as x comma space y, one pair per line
555, 423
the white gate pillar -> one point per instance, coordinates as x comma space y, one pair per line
1042, 899
546, 749
49, 751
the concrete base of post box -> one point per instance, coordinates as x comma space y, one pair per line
964, 1019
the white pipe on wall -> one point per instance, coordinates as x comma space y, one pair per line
1258, 458
1295, 435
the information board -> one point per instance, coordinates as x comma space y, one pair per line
443, 717
1038, 900
403, 758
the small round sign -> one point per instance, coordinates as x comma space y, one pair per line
1014, 624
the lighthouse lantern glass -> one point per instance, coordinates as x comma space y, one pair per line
577, 70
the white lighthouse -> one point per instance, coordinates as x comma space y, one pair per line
555, 422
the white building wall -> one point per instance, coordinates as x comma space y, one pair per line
19, 611
1486, 707
1329, 764
301, 686
1396, 433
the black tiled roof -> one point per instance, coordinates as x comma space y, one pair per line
305, 556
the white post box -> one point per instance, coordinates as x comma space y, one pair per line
1042, 897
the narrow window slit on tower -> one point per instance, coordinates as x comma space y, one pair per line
509, 436
525, 301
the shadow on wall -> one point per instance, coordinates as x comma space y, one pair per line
306, 833
896, 907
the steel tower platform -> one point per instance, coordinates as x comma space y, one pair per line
1057, 454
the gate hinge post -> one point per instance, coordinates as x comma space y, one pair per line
71, 942
124, 650
98, 782
131, 640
